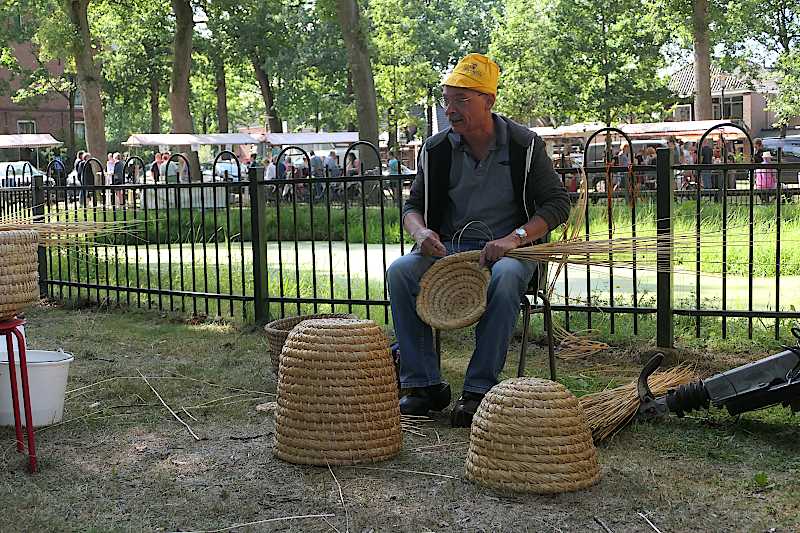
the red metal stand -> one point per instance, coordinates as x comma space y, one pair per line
10, 328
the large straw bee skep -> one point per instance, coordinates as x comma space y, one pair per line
531, 435
278, 331
19, 279
337, 395
452, 293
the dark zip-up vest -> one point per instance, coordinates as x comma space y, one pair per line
440, 159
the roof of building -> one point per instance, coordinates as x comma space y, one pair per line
682, 81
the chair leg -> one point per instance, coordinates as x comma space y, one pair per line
437, 340
523, 349
548, 325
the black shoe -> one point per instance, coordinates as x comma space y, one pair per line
423, 399
464, 409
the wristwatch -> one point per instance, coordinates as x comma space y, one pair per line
521, 233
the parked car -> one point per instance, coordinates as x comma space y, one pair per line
404, 170
20, 174
218, 173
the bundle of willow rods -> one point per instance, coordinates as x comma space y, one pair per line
610, 410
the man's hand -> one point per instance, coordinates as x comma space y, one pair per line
429, 243
494, 250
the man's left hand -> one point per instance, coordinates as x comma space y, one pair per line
494, 250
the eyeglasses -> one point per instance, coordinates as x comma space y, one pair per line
455, 102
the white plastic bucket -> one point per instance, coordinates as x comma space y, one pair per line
47, 379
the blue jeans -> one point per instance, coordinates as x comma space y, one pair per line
418, 360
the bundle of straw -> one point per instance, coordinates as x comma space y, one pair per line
52, 231
576, 345
610, 410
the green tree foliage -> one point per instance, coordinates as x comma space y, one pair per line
580, 60
767, 32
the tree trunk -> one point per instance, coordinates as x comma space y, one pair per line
179, 90
71, 129
155, 111
702, 61
222, 94
358, 59
88, 78
273, 120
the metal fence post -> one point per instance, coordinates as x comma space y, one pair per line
258, 226
38, 214
664, 195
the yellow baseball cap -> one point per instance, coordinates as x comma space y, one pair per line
476, 72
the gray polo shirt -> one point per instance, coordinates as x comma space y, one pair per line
481, 192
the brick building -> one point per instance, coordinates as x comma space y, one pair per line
45, 114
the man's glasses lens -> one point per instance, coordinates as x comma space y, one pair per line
456, 102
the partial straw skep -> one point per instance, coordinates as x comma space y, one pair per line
19, 279
610, 410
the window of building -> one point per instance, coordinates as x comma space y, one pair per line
78, 99
26, 126
682, 112
80, 130
733, 107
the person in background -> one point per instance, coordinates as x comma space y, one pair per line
109, 168
317, 171
118, 178
758, 150
394, 164
155, 167
86, 176
352, 167
78, 159
331, 165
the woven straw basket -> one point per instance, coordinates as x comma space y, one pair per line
19, 274
531, 435
452, 293
337, 395
278, 330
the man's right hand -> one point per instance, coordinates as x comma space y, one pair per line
429, 243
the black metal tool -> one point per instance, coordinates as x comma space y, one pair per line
774, 380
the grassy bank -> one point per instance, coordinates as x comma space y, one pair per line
226, 280
375, 226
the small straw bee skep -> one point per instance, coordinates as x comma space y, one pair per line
531, 435
337, 395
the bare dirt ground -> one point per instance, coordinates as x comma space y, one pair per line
121, 462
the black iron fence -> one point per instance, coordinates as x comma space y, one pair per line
254, 249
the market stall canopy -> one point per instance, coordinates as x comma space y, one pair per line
303, 138
683, 129
28, 140
188, 139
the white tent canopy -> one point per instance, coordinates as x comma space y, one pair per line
28, 140
307, 138
188, 139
